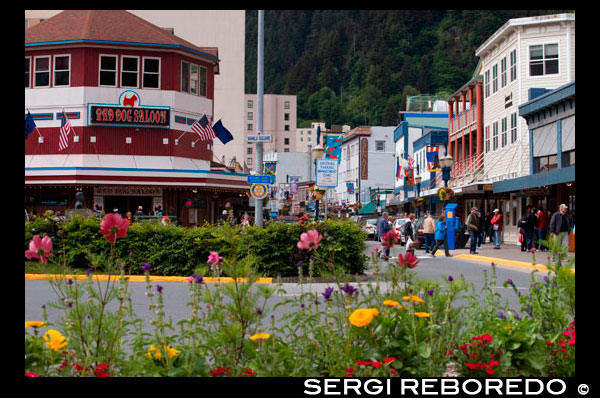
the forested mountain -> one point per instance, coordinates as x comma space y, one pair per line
357, 66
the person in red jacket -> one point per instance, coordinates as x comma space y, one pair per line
541, 229
496, 227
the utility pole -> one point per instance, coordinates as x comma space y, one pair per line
258, 206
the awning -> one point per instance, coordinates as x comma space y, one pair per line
370, 208
552, 177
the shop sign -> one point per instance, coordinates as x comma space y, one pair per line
364, 159
535, 191
129, 113
127, 191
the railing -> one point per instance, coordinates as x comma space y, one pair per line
464, 119
463, 171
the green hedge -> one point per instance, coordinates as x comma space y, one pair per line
173, 250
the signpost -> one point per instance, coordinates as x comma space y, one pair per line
259, 191
327, 173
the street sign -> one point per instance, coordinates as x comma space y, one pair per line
258, 179
327, 173
259, 191
258, 138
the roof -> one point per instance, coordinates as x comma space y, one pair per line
550, 98
107, 26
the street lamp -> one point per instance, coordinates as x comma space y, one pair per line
446, 163
418, 180
317, 153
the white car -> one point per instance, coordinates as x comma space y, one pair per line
371, 228
396, 224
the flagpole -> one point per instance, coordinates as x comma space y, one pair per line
36, 129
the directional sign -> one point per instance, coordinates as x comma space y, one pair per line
258, 138
259, 191
258, 179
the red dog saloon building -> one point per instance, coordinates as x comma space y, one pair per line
131, 91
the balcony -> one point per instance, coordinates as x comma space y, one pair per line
463, 120
467, 170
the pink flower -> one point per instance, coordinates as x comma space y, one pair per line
389, 239
408, 260
113, 226
213, 257
310, 240
31, 374
39, 248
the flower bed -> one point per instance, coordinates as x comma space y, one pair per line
413, 328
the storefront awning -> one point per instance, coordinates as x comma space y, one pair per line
552, 177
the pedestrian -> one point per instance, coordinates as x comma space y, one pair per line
245, 221
472, 224
410, 232
527, 223
159, 211
139, 212
441, 232
541, 229
488, 233
223, 217
496, 223
561, 224
383, 226
165, 220
481, 232
429, 231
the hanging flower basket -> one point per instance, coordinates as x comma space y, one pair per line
316, 193
419, 202
445, 193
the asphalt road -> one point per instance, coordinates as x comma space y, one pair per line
176, 294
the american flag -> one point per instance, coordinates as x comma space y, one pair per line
65, 129
203, 128
410, 163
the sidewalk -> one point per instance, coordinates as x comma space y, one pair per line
508, 254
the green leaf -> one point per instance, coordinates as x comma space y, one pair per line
424, 350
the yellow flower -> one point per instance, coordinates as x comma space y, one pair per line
507, 327
260, 336
54, 340
155, 353
35, 324
414, 298
391, 303
422, 314
363, 316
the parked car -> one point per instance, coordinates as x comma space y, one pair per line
370, 228
396, 224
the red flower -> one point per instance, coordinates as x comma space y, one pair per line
218, 372
388, 360
31, 374
408, 260
389, 239
489, 371
494, 363
376, 364
393, 371
113, 227
548, 343
249, 372
484, 337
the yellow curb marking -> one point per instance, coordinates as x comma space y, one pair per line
142, 278
502, 261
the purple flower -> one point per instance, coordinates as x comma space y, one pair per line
349, 290
198, 278
327, 293
70, 304
302, 306
450, 278
510, 282
317, 302
430, 292
500, 314
159, 288
559, 254
493, 264
259, 311
69, 281
546, 278
88, 271
146, 267
299, 264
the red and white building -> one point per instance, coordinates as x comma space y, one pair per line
131, 91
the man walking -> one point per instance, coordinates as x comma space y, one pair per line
561, 224
473, 228
528, 223
383, 226
496, 223
429, 231
542, 229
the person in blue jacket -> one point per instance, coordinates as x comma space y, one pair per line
440, 236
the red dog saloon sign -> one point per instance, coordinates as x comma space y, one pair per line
129, 112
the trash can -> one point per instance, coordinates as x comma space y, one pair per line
450, 213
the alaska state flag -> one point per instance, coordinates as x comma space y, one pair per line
29, 124
222, 133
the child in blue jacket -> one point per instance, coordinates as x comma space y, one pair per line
440, 236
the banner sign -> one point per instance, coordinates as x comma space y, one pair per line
364, 159
129, 112
333, 148
433, 158
294, 185
327, 173
271, 171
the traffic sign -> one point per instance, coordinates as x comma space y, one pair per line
258, 179
258, 138
259, 191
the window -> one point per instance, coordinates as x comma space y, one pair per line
495, 78
194, 80
151, 73
487, 83
513, 65
286, 149
185, 77
503, 72
495, 136
543, 59
309, 132
286, 127
504, 131
250, 115
249, 161
568, 158
129, 71
308, 139
27, 71
249, 150
545, 163
287, 104
286, 116
203, 81
250, 127
513, 127
250, 104
487, 139
62, 66
380, 146
301, 139
286, 141
42, 72
108, 70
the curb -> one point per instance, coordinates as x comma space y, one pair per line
502, 261
142, 278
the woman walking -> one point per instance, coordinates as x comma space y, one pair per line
496, 227
440, 236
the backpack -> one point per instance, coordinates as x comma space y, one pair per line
406, 228
523, 222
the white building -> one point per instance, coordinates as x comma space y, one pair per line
367, 162
307, 137
225, 29
288, 165
525, 53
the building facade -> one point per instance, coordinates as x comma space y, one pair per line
525, 53
307, 137
279, 121
130, 93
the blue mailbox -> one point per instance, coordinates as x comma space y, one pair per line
450, 213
